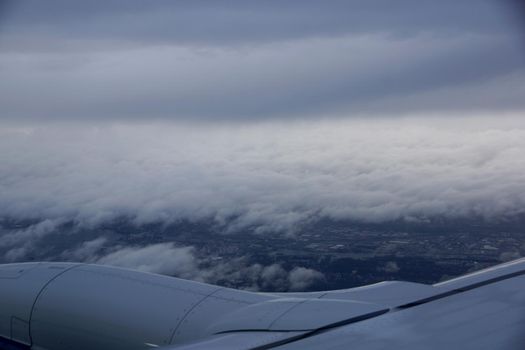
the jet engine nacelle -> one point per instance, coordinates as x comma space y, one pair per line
56, 306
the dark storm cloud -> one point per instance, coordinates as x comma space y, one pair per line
254, 60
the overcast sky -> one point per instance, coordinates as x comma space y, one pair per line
258, 60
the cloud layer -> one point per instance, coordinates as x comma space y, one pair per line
267, 177
230, 22
246, 60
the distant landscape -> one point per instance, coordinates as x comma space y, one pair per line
332, 254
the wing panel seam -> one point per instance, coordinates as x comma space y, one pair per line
40, 293
190, 310
462, 289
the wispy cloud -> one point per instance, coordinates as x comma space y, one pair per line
184, 262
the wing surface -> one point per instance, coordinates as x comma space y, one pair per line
483, 310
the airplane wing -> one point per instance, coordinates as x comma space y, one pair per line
54, 306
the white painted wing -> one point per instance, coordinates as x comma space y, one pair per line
484, 310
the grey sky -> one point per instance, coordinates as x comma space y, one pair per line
253, 60
227, 22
